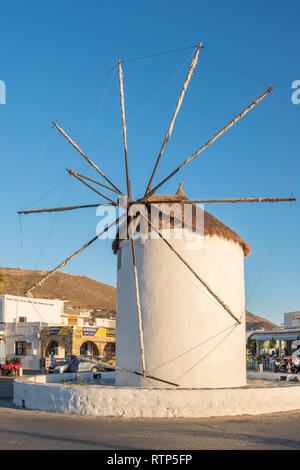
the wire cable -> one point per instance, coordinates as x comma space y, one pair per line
92, 87
158, 54
235, 67
47, 194
144, 109
51, 226
37, 167
99, 107
283, 152
269, 253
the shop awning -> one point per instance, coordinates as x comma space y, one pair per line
280, 336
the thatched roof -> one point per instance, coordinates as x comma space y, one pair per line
212, 226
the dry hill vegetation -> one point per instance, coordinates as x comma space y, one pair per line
81, 292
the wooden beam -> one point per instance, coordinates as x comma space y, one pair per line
138, 307
61, 209
215, 201
84, 155
157, 379
204, 283
136, 282
73, 173
66, 261
124, 128
178, 105
100, 184
109, 366
215, 137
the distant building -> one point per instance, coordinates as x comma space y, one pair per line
292, 320
286, 338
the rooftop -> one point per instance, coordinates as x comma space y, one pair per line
212, 226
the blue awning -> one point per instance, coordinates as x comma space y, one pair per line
263, 337
288, 336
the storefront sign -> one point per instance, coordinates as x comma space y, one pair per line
55, 330
111, 332
73, 320
90, 331
78, 335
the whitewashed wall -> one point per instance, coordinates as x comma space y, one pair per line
24, 332
2, 350
189, 338
34, 393
35, 310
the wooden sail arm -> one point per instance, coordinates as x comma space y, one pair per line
165, 201
84, 155
135, 272
215, 137
178, 105
73, 173
99, 184
138, 373
67, 260
216, 201
61, 209
116, 367
138, 307
124, 128
204, 283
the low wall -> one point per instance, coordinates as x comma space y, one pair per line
36, 394
69, 376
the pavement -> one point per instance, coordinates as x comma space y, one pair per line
37, 430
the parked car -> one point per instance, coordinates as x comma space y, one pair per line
111, 363
85, 365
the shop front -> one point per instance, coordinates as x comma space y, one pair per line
58, 342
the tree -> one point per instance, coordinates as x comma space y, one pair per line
251, 346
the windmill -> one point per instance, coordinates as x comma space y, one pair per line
139, 364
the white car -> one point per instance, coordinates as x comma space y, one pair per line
84, 366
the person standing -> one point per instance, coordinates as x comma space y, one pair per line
73, 365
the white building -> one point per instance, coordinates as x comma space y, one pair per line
26, 309
189, 338
21, 319
292, 320
23, 340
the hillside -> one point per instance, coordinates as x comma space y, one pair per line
80, 291
83, 292
254, 322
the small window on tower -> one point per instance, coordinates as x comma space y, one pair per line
22, 319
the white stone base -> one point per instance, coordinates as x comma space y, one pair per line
134, 402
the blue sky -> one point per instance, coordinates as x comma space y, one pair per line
52, 52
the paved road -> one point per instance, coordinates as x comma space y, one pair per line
39, 430
6, 383
6, 387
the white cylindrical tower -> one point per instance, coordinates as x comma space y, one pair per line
189, 338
